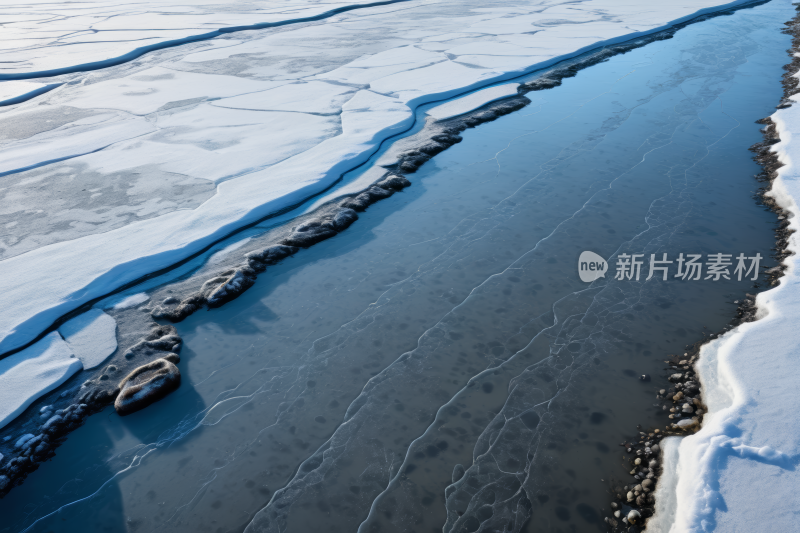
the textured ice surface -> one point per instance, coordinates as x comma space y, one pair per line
36, 370
739, 471
92, 337
168, 122
473, 101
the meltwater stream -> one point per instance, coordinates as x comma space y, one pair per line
440, 366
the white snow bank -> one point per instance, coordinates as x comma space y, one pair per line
740, 471
473, 101
92, 337
268, 160
33, 372
666, 495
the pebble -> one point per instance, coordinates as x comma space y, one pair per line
633, 516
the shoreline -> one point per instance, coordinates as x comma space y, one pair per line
685, 373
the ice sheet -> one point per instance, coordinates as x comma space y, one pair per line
46, 38
739, 472
473, 101
36, 370
92, 337
262, 162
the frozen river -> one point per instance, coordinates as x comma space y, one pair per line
440, 364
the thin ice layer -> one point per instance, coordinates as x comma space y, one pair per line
33, 372
739, 472
428, 68
92, 337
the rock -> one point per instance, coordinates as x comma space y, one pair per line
233, 283
641, 500
172, 358
655, 448
615, 505
394, 182
637, 488
161, 339
675, 377
187, 306
540, 84
677, 397
686, 423
146, 385
647, 485
644, 377
343, 219
308, 235
634, 516
617, 514
630, 496
367, 198
687, 409
412, 160
272, 254
637, 461
169, 300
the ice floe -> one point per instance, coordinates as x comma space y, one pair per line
33, 372
92, 337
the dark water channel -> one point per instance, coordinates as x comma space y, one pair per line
440, 364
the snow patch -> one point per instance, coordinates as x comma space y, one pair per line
92, 337
33, 372
127, 301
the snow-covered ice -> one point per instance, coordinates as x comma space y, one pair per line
92, 337
472, 101
32, 372
326, 94
739, 472
14, 92
45, 37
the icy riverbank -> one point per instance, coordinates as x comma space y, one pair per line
739, 472
457, 48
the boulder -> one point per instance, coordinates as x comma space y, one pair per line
145, 385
